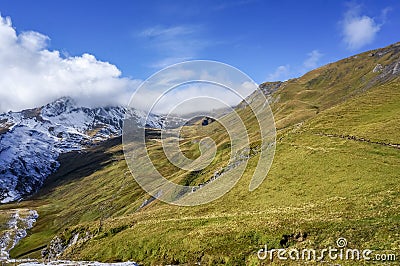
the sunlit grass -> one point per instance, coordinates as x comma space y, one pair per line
326, 186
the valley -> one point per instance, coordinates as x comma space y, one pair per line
335, 174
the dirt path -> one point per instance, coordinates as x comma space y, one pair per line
350, 137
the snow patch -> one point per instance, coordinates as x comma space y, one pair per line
17, 227
30, 148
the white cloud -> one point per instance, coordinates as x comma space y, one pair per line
33, 41
384, 13
191, 86
169, 61
312, 60
359, 30
190, 98
197, 97
174, 44
285, 72
32, 75
281, 73
158, 31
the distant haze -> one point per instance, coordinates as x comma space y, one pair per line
32, 76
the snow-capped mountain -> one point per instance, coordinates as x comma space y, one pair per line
32, 140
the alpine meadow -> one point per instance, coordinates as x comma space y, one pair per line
99, 166
334, 174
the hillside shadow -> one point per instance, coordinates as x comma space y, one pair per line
77, 165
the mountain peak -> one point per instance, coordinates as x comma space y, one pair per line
33, 139
59, 106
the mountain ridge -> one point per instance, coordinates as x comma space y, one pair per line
301, 98
33, 139
319, 184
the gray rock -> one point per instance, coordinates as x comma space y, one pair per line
396, 68
378, 68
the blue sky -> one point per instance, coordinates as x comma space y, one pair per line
268, 40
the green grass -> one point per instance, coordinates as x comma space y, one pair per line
324, 185
379, 107
320, 89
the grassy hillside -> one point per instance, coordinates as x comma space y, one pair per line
299, 99
335, 174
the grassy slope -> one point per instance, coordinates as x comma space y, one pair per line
326, 186
324, 87
82, 190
